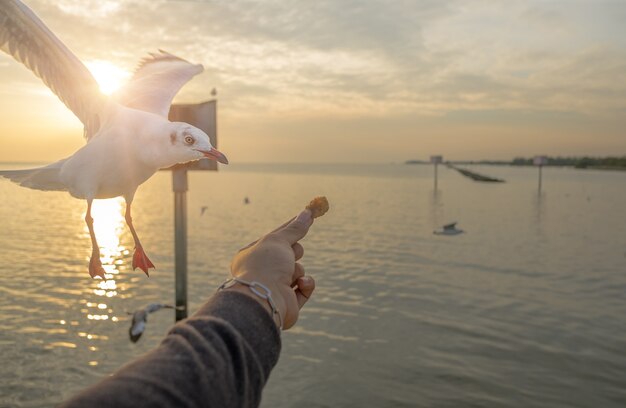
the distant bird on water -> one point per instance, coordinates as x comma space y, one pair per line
448, 229
140, 318
129, 136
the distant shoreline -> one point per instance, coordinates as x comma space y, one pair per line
585, 163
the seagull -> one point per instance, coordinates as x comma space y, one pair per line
203, 209
128, 134
140, 318
449, 229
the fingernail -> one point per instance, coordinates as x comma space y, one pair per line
304, 217
306, 280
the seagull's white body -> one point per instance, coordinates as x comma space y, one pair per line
129, 136
122, 155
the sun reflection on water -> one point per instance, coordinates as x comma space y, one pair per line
108, 218
109, 226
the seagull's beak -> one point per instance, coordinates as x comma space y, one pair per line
215, 154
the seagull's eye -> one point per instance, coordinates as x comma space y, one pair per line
189, 140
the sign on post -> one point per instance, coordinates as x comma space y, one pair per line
436, 159
204, 117
540, 160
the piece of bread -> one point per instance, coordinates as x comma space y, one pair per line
318, 206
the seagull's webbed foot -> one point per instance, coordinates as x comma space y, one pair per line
141, 261
95, 267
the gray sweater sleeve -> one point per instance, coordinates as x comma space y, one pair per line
220, 357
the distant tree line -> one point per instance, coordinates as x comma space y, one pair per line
618, 163
578, 162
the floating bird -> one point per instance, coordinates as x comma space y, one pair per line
448, 229
129, 136
140, 318
246, 200
203, 210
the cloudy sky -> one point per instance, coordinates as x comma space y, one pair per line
352, 80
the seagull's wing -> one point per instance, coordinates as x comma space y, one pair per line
449, 226
25, 37
156, 81
153, 307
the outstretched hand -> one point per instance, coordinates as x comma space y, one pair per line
272, 261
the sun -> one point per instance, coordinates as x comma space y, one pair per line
109, 77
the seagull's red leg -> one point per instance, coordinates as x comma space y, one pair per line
140, 259
95, 266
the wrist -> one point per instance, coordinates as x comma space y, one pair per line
265, 295
238, 287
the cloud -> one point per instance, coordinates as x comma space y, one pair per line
289, 60
365, 57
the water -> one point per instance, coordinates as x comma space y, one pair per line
525, 309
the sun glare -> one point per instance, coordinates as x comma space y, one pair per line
108, 218
109, 77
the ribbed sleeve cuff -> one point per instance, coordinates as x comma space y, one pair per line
250, 319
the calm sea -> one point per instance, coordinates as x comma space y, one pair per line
527, 308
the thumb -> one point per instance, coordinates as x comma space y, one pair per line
297, 228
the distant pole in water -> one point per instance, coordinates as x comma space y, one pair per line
540, 161
203, 116
436, 160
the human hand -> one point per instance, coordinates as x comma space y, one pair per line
271, 260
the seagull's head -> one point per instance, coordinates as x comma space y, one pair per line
189, 143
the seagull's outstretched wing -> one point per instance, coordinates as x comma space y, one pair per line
153, 307
450, 226
25, 37
157, 80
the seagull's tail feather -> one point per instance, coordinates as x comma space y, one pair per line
45, 178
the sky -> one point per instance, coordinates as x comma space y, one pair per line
351, 80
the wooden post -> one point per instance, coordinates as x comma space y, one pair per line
180, 187
436, 160
540, 161
204, 117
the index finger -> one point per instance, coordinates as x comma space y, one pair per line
297, 228
277, 229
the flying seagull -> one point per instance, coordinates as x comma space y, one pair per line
140, 318
129, 136
448, 229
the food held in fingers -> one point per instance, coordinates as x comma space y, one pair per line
318, 206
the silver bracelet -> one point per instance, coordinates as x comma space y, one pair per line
254, 288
